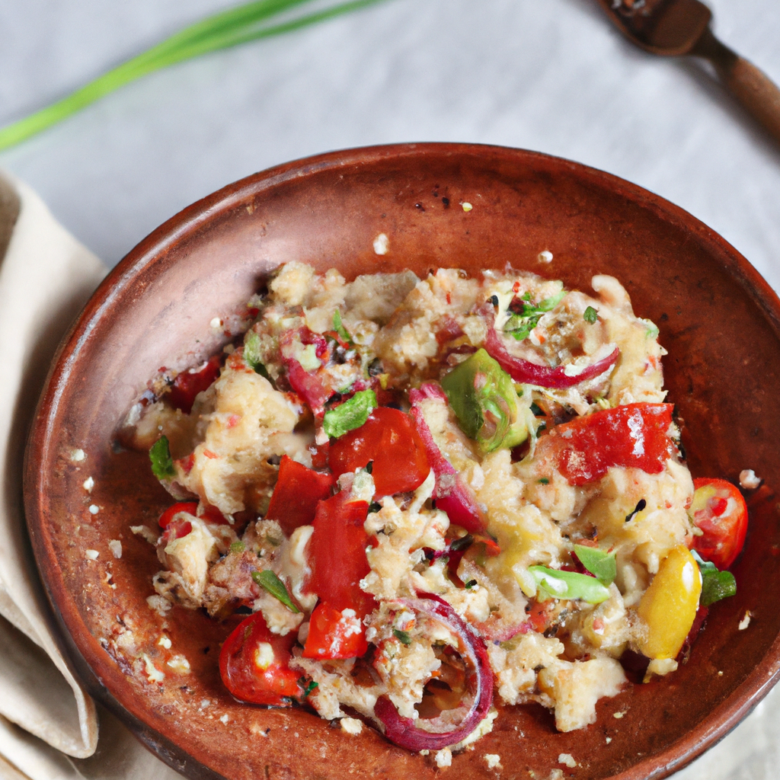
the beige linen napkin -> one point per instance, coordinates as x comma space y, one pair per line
46, 717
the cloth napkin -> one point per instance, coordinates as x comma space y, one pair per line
48, 724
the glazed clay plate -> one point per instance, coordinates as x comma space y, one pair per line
717, 318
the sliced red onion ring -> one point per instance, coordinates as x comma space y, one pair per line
451, 494
528, 373
407, 733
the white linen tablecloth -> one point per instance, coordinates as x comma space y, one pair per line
551, 76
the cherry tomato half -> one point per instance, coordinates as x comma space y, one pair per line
190, 507
389, 439
254, 664
335, 633
720, 512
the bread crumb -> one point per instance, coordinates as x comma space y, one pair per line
89, 483
443, 758
94, 509
351, 725
77, 455
545, 257
381, 244
145, 533
748, 479
92, 555
609, 739
159, 605
116, 548
493, 760
153, 674
180, 665
225, 718
165, 641
567, 760
466, 206
618, 715
745, 622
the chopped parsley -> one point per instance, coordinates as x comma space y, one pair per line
520, 324
307, 687
544, 481
715, 584
162, 462
268, 580
402, 636
590, 315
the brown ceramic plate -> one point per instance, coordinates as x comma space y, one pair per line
718, 319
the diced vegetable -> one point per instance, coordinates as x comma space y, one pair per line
297, 492
557, 584
390, 440
668, 607
716, 585
252, 355
630, 436
350, 415
338, 326
188, 384
162, 462
307, 384
484, 400
254, 664
190, 507
335, 633
522, 322
602, 565
719, 511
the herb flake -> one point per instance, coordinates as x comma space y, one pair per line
521, 323
162, 462
590, 315
350, 415
252, 354
268, 580
715, 584
402, 636
338, 326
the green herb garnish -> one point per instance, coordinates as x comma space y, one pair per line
715, 584
402, 636
350, 415
307, 687
544, 481
268, 580
237, 547
602, 565
247, 22
338, 326
470, 584
590, 315
520, 324
162, 462
557, 584
252, 354
652, 330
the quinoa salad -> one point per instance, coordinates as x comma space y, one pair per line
412, 501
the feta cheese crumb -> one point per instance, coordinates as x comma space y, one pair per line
225, 718
567, 760
351, 725
92, 555
216, 323
618, 715
153, 674
609, 739
745, 622
116, 548
94, 509
748, 479
89, 483
145, 533
205, 703
466, 206
545, 257
381, 244
493, 760
165, 641
443, 758
77, 455
179, 664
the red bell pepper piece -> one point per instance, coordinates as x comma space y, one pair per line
297, 492
390, 440
630, 436
189, 383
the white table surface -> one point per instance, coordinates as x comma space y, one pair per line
547, 75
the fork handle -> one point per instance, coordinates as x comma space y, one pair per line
757, 93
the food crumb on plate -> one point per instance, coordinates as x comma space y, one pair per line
94, 509
467, 206
443, 758
748, 479
92, 555
493, 760
351, 725
77, 455
180, 665
609, 739
545, 257
89, 483
225, 718
165, 641
159, 604
619, 715
116, 548
745, 622
567, 760
381, 244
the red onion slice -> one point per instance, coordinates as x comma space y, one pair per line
451, 494
308, 386
406, 732
528, 373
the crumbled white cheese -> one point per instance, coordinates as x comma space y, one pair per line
567, 760
165, 641
179, 664
748, 479
745, 622
466, 206
77, 455
609, 739
94, 509
225, 718
92, 555
351, 725
216, 323
618, 715
443, 758
381, 244
493, 760
545, 257
116, 548
660, 667
153, 674
159, 604
89, 483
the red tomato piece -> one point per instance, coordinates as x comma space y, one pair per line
191, 507
176, 529
189, 383
254, 664
389, 439
334, 634
212, 515
297, 492
630, 436
720, 512
338, 554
